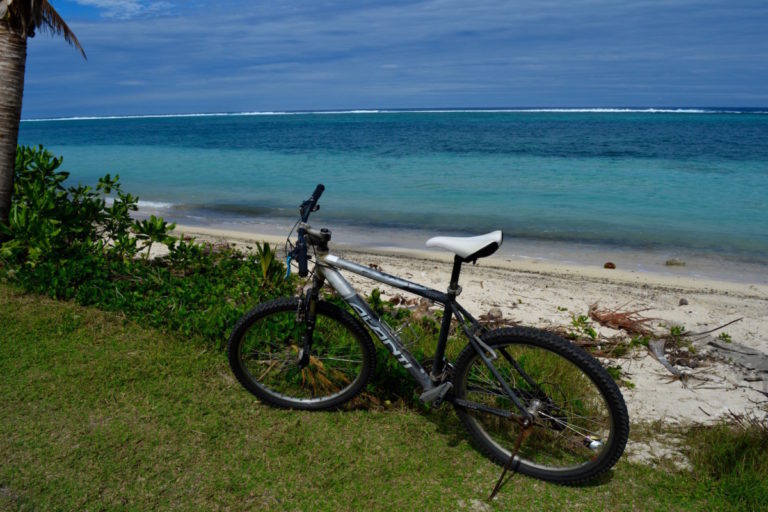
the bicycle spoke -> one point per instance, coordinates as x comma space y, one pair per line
569, 426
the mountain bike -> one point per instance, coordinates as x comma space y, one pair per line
531, 401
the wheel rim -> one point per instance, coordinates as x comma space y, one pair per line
573, 423
269, 355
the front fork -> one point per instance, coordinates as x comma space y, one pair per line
306, 315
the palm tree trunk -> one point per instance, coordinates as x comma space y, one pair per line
13, 56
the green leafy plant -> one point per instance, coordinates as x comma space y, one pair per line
676, 332
376, 302
583, 327
617, 373
725, 337
614, 371
151, 231
50, 223
678, 337
270, 267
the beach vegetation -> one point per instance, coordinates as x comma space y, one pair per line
725, 337
583, 326
617, 374
377, 303
676, 332
678, 338
639, 341
19, 20
50, 222
151, 231
82, 243
272, 271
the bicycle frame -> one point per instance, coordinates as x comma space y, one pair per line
327, 268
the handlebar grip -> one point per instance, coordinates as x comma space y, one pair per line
309, 205
318, 192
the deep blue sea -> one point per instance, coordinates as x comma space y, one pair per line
666, 182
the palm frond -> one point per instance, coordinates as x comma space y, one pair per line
51, 20
24, 16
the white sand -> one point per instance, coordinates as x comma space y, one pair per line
545, 295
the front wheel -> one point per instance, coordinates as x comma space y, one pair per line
266, 355
580, 423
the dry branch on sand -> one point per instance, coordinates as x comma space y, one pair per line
630, 321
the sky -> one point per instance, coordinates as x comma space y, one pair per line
175, 56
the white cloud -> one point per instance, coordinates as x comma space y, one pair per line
126, 9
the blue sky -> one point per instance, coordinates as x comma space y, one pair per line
172, 56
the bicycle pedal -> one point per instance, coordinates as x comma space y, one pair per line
436, 395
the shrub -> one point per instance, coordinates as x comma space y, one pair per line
74, 243
51, 223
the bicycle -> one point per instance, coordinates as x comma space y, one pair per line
531, 401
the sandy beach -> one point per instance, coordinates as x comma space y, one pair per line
731, 375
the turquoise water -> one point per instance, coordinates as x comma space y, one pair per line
689, 182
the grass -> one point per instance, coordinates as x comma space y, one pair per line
100, 413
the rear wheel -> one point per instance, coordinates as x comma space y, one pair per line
580, 424
265, 353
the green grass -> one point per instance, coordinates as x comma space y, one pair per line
99, 413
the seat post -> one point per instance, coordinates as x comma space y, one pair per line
453, 287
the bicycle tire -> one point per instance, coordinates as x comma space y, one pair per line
581, 425
263, 354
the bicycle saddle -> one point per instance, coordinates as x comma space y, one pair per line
469, 248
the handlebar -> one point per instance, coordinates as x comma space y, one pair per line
306, 208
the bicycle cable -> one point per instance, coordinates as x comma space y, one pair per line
289, 249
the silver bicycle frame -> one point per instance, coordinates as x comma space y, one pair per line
327, 265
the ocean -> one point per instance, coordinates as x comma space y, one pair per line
636, 186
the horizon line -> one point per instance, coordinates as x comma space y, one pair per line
596, 110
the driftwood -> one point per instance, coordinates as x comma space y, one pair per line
677, 351
695, 336
656, 349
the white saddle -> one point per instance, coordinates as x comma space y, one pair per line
469, 248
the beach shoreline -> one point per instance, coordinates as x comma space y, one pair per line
677, 264
548, 295
673, 277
